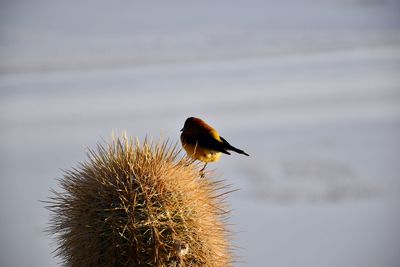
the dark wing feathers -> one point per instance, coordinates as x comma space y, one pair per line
207, 141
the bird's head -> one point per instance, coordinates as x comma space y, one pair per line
188, 123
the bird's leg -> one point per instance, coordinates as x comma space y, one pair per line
202, 170
204, 167
190, 161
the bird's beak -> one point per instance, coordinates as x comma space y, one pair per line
182, 129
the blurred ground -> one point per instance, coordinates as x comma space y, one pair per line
310, 89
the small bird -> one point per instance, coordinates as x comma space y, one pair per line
202, 142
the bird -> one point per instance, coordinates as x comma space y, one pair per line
202, 142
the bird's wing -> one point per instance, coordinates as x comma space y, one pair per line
225, 142
208, 142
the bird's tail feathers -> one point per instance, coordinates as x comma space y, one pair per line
238, 150
230, 147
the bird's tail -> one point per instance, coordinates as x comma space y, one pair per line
238, 150
230, 147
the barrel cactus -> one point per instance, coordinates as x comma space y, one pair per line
139, 204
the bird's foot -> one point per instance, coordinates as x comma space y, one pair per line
202, 171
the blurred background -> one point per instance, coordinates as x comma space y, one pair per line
310, 89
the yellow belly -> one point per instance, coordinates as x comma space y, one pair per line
202, 154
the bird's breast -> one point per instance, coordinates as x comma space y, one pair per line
200, 153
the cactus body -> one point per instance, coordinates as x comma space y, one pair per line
133, 204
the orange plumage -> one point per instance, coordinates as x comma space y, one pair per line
202, 142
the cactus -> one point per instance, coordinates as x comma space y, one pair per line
133, 204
